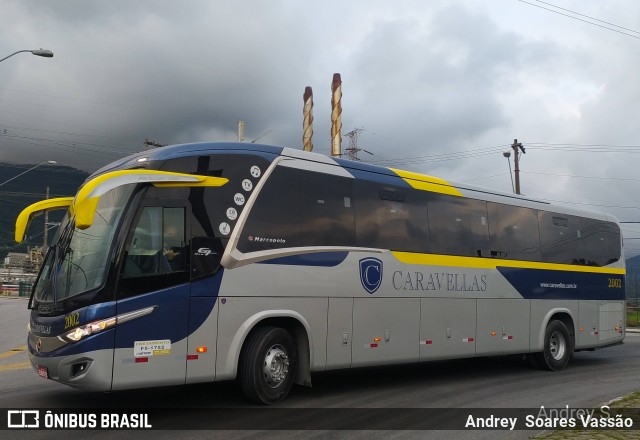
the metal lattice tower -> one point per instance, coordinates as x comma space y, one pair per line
353, 143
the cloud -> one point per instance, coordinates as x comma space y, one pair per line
422, 78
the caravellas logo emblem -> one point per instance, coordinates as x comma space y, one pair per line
370, 274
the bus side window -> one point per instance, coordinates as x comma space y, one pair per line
513, 232
560, 238
601, 241
459, 226
173, 238
298, 208
158, 243
389, 217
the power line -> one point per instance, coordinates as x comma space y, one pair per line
580, 19
587, 16
464, 154
581, 177
589, 148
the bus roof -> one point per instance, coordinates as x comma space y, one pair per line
355, 167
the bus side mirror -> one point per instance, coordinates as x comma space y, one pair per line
206, 253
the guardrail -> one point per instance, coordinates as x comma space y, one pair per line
19, 289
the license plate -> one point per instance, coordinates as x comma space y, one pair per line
43, 372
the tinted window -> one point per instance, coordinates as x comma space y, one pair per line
215, 210
158, 245
459, 226
300, 208
157, 254
391, 218
560, 238
601, 242
513, 232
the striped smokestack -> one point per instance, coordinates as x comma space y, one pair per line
307, 122
336, 115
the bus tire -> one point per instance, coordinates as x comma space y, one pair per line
268, 365
558, 348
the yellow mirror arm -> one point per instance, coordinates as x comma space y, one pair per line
27, 214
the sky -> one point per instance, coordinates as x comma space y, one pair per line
441, 87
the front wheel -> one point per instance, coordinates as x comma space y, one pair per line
558, 348
267, 365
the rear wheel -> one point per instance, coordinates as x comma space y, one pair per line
558, 348
267, 365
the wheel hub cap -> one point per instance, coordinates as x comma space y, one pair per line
276, 366
557, 345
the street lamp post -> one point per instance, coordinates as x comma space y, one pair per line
38, 52
51, 162
507, 154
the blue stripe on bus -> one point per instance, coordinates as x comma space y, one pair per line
57, 325
207, 286
320, 259
99, 341
555, 284
372, 173
175, 318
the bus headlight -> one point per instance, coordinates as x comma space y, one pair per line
94, 327
90, 329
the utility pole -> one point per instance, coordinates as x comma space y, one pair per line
517, 147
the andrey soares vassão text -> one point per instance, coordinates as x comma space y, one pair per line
556, 418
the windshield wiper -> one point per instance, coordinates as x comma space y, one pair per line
43, 273
60, 255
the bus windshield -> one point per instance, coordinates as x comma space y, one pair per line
77, 261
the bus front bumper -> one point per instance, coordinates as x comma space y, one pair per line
91, 371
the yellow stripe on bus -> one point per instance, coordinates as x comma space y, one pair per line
493, 263
427, 183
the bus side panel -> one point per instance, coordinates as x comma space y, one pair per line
167, 326
503, 326
385, 331
542, 312
339, 333
587, 336
239, 315
447, 328
611, 322
201, 365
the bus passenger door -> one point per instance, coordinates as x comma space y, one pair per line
153, 300
206, 277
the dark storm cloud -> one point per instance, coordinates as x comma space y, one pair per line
185, 73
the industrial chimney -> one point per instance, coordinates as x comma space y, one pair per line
307, 123
336, 115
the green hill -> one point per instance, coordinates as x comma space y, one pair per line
27, 189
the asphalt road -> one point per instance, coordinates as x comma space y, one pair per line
592, 379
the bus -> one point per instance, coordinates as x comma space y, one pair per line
228, 261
